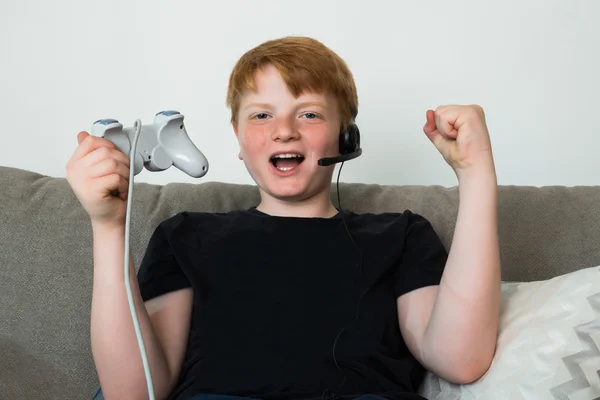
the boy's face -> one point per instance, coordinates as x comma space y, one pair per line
281, 137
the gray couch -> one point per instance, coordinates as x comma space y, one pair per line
46, 257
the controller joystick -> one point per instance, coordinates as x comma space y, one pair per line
160, 145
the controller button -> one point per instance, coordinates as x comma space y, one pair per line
106, 121
168, 113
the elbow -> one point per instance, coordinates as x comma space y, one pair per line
471, 366
462, 368
465, 376
468, 373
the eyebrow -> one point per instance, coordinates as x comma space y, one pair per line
312, 103
303, 104
259, 105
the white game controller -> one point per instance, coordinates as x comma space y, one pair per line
160, 145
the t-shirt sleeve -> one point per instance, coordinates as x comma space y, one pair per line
423, 257
159, 271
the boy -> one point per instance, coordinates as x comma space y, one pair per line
293, 298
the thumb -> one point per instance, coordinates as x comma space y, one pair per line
430, 129
433, 134
81, 136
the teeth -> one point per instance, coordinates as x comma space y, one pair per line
284, 168
287, 156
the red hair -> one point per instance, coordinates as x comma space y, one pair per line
305, 64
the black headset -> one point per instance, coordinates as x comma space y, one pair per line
349, 146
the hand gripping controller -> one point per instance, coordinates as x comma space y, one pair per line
156, 147
160, 145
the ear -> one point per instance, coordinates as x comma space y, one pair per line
236, 132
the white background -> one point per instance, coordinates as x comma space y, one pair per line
533, 65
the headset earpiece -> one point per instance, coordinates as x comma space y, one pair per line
349, 146
349, 141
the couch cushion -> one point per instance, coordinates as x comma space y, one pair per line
46, 257
548, 344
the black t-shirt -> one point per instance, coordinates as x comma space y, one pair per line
271, 294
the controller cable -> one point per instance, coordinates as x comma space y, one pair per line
136, 324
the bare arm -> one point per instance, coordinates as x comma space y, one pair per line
164, 322
452, 329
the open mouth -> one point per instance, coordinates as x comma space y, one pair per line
286, 161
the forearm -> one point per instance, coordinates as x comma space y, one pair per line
114, 343
462, 330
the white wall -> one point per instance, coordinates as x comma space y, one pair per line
533, 65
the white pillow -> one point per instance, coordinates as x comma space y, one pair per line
548, 344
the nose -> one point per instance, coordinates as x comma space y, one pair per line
285, 130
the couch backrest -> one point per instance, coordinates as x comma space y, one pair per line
46, 256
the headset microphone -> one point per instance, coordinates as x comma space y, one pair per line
349, 146
334, 160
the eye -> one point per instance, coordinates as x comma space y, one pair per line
310, 115
261, 116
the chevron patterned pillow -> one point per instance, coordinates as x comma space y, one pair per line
548, 344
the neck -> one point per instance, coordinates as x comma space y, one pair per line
317, 206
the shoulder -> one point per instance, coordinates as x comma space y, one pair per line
384, 221
199, 220
394, 231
